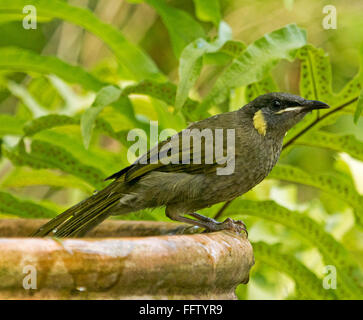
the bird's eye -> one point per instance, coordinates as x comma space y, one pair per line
276, 105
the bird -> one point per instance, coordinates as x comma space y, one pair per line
186, 178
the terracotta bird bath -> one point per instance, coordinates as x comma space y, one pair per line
122, 260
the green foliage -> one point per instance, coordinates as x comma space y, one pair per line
191, 62
256, 61
182, 28
335, 185
359, 109
357, 85
132, 58
316, 83
307, 283
316, 77
105, 97
18, 59
46, 155
10, 125
23, 177
47, 122
340, 143
165, 92
208, 10
333, 252
80, 135
23, 208
263, 86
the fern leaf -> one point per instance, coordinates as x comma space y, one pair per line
255, 62
258, 88
23, 208
333, 252
307, 283
44, 155
333, 185
131, 57
23, 60
25, 177
340, 143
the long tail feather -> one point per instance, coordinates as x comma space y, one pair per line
84, 216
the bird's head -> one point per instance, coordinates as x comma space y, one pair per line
274, 113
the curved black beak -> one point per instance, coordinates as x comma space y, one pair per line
309, 105
305, 106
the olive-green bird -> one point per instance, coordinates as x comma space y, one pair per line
183, 188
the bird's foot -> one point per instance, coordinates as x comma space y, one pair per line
229, 224
208, 223
234, 225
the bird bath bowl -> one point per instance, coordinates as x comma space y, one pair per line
122, 260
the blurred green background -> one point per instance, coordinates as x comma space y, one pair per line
292, 247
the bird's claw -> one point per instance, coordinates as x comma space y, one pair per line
235, 225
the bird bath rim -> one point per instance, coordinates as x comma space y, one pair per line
141, 266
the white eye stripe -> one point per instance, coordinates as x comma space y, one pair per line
289, 109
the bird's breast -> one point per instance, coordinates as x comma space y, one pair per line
252, 165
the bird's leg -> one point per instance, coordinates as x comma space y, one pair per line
207, 223
177, 217
223, 225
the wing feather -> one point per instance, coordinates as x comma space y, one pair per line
167, 155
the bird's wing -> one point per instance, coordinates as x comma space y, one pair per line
167, 155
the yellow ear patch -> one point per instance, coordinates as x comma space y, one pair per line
259, 122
